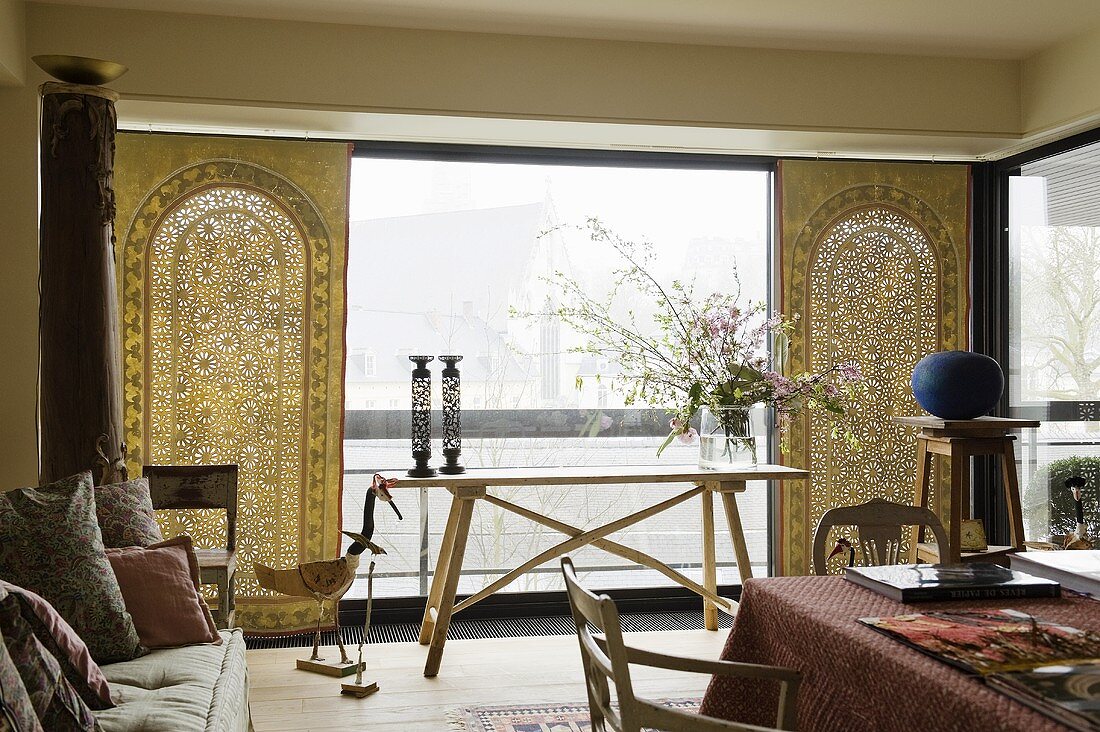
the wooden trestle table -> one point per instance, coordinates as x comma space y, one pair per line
473, 485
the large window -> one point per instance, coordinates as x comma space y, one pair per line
445, 256
1054, 239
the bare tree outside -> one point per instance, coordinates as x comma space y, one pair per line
1060, 320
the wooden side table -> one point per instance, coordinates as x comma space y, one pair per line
959, 440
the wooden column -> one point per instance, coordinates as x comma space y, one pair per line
80, 374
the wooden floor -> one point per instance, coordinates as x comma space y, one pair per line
474, 672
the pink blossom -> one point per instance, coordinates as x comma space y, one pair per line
849, 371
781, 385
675, 424
605, 422
831, 391
689, 436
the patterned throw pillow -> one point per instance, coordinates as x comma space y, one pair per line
50, 544
16, 711
56, 705
125, 514
64, 645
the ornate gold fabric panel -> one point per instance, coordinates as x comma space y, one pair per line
874, 262
233, 261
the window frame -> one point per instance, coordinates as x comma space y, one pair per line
991, 312
650, 599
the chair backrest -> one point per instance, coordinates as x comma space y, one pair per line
196, 486
879, 525
596, 616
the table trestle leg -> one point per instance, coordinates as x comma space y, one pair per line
439, 579
450, 586
710, 564
733, 518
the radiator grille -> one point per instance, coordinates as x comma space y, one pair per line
490, 628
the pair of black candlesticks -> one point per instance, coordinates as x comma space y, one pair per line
422, 417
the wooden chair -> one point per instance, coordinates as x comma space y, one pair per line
204, 486
879, 525
606, 657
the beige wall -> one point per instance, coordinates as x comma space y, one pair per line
18, 284
280, 63
1060, 87
12, 48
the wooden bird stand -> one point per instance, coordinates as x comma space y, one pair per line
359, 690
330, 668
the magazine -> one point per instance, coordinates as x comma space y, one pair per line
931, 582
1070, 694
990, 641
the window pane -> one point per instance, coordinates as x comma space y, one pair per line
443, 255
1054, 239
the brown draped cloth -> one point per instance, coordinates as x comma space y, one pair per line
855, 678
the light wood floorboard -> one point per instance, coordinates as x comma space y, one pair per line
474, 672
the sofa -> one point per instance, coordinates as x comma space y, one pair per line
102, 621
201, 688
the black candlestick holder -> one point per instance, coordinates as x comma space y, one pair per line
452, 416
421, 417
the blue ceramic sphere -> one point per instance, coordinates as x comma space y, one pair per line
958, 384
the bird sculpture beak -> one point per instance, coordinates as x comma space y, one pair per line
381, 488
840, 547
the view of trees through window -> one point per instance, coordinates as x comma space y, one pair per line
446, 257
1054, 239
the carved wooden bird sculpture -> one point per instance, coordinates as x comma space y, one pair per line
330, 579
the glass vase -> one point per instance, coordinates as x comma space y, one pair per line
726, 438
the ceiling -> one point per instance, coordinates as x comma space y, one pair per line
1000, 29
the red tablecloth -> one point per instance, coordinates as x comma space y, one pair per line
855, 678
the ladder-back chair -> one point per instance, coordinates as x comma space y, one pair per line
204, 486
879, 527
607, 658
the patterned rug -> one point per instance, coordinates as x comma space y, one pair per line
538, 717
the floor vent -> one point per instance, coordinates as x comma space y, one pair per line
490, 628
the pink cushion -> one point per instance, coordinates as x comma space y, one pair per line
160, 584
66, 646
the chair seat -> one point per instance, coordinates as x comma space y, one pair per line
212, 561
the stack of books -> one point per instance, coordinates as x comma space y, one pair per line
936, 582
1075, 570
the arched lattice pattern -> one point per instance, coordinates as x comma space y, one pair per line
233, 301
226, 305
873, 283
874, 265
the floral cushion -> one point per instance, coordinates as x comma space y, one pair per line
50, 544
64, 645
125, 513
57, 707
16, 711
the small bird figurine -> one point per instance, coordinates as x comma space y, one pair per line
331, 579
842, 545
1077, 539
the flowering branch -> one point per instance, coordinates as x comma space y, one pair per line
697, 353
